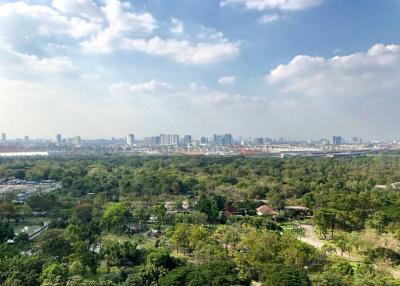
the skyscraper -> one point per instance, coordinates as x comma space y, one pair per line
337, 140
225, 139
169, 139
130, 139
58, 139
187, 139
3, 138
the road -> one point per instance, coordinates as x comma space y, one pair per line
311, 238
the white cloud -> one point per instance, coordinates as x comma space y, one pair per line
355, 93
31, 63
177, 26
152, 86
127, 31
375, 72
122, 21
227, 80
84, 8
269, 18
183, 51
273, 4
121, 24
19, 20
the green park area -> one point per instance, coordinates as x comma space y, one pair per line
180, 220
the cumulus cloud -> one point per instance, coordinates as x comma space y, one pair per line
120, 24
177, 26
31, 63
183, 51
226, 80
289, 5
123, 35
19, 20
269, 18
152, 86
376, 71
85, 8
355, 92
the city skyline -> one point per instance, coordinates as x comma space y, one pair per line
303, 69
221, 139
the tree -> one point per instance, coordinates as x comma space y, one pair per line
83, 212
221, 273
54, 274
378, 221
211, 205
160, 211
145, 275
7, 211
160, 257
6, 232
280, 275
54, 243
116, 216
180, 237
121, 254
23, 211
197, 233
277, 200
176, 277
325, 220
343, 242
22, 237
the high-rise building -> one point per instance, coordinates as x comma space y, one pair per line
324, 142
337, 140
187, 139
169, 139
130, 139
203, 140
152, 141
258, 141
75, 141
3, 138
225, 139
26, 138
58, 140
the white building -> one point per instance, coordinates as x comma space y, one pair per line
130, 140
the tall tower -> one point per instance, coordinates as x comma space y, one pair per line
58, 139
3, 138
130, 139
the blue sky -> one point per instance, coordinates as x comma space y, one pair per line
294, 68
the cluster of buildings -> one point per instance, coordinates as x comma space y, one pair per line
24, 189
218, 144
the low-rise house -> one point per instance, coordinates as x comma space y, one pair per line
185, 205
232, 211
297, 212
266, 211
170, 205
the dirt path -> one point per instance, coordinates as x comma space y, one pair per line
311, 238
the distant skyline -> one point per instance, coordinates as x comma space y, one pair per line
304, 69
59, 137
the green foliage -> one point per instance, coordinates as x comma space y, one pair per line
280, 275
6, 232
54, 243
121, 254
116, 217
210, 205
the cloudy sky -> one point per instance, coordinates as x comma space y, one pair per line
295, 68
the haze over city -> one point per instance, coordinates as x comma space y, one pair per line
298, 68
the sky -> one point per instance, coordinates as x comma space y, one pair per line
302, 69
